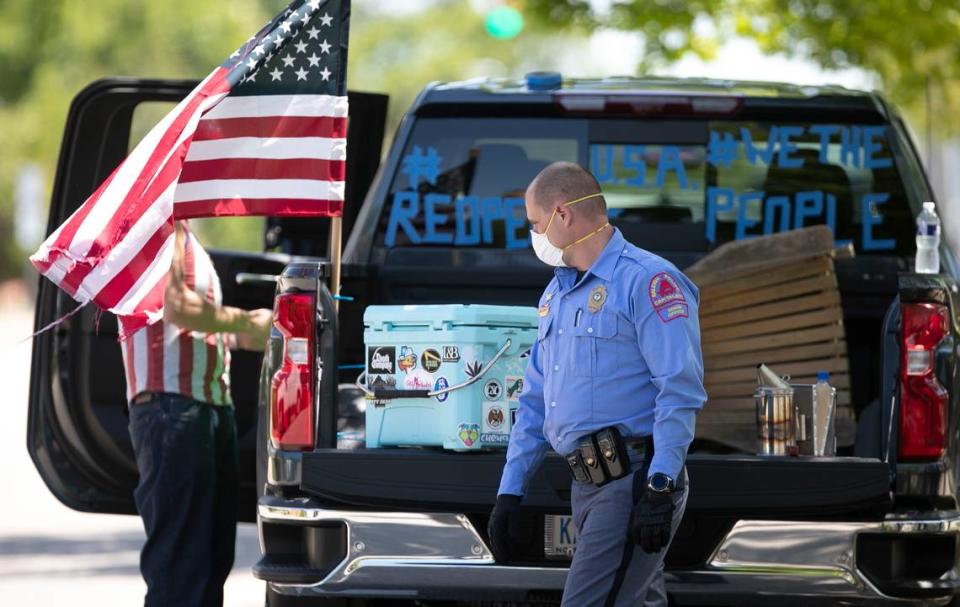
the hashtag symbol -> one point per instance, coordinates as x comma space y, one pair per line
722, 150
417, 164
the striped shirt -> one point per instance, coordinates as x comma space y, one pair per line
162, 357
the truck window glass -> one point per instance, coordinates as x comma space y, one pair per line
776, 177
460, 182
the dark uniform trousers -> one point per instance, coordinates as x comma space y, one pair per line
187, 496
608, 569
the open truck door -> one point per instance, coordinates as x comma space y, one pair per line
77, 426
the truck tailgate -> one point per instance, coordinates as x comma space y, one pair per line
742, 485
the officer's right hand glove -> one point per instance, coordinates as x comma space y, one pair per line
503, 526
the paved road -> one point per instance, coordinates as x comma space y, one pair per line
52, 555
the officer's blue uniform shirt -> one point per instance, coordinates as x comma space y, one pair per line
620, 347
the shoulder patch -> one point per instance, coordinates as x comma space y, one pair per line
667, 297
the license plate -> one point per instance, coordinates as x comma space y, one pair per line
560, 537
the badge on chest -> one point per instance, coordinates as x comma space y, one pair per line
596, 299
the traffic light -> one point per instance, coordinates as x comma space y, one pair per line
504, 22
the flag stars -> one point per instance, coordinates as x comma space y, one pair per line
324, 47
326, 19
285, 26
258, 50
275, 74
314, 5
251, 63
313, 33
305, 18
314, 60
301, 47
287, 61
302, 74
325, 74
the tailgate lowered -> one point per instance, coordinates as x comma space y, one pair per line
419, 480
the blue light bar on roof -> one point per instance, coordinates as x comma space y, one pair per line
544, 81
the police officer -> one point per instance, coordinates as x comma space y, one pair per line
614, 384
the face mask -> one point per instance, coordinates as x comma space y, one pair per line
551, 254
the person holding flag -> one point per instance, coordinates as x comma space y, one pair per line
183, 430
263, 134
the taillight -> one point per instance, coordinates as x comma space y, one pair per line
923, 400
292, 387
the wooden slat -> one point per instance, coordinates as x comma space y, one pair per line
715, 406
817, 318
759, 254
821, 350
824, 299
745, 389
752, 281
779, 340
824, 282
833, 365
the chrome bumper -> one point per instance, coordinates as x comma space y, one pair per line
415, 555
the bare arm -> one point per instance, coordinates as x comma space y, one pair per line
186, 308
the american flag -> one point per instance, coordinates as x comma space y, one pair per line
263, 134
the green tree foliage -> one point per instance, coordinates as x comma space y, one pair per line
909, 44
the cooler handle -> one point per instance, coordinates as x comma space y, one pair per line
391, 393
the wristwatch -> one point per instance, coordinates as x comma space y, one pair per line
660, 483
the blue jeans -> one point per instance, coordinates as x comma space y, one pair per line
187, 497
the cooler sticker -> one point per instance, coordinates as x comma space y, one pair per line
451, 354
468, 434
430, 359
493, 389
514, 387
472, 369
513, 417
380, 381
496, 439
408, 359
494, 418
524, 354
668, 313
596, 299
544, 310
440, 384
664, 291
418, 380
381, 360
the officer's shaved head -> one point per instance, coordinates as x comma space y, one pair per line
562, 182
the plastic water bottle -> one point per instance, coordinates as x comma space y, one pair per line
823, 413
928, 241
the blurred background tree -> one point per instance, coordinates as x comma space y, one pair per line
49, 50
912, 46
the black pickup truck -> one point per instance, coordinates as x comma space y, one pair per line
685, 165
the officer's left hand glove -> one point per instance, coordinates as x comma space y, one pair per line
651, 520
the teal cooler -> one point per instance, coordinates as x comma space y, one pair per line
412, 350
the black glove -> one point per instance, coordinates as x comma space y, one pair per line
502, 528
651, 519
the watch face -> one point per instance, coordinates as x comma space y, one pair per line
659, 482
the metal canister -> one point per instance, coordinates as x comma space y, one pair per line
776, 421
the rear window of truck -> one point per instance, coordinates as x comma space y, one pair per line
669, 185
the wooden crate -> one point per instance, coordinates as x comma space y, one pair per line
771, 300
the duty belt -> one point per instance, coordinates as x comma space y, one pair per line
604, 456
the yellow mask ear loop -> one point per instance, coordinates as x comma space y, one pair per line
567, 204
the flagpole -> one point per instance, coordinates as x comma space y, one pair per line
336, 234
